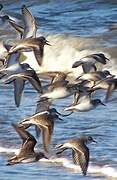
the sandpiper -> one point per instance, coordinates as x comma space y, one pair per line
61, 89
84, 104
18, 74
80, 151
95, 76
26, 153
45, 105
89, 61
29, 44
45, 121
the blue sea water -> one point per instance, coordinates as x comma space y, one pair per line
74, 28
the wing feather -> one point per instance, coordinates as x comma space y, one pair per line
29, 23
81, 158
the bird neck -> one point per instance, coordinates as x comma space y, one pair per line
41, 50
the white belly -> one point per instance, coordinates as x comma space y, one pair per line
57, 93
84, 107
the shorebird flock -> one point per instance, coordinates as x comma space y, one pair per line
58, 85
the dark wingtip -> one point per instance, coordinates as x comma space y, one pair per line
84, 173
8, 164
14, 125
76, 64
59, 152
1, 7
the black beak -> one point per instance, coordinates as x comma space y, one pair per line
112, 76
60, 119
47, 43
103, 104
107, 59
94, 141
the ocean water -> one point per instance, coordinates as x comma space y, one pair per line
75, 28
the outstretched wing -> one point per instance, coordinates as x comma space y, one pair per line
38, 55
17, 27
81, 157
18, 90
13, 59
29, 23
46, 135
34, 80
28, 140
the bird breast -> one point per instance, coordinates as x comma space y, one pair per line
56, 93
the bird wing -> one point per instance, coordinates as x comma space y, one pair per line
13, 59
81, 157
29, 23
32, 77
109, 91
46, 135
28, 140
38, 55
34, 80
76, 98
18, 89
37, 129
77, 64
17, 27
87, 67
43, 105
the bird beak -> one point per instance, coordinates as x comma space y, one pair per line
93, 141
60, 119
47, 43
112, 76
103, 104
107, 59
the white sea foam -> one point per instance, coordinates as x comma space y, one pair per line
106, 170
64, 52
8, 150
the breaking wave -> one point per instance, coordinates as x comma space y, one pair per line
65, 50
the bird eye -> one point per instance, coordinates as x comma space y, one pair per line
90, 138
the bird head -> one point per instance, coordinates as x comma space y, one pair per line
103, 56
97, 102
43, 41
54, 113
87, 139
